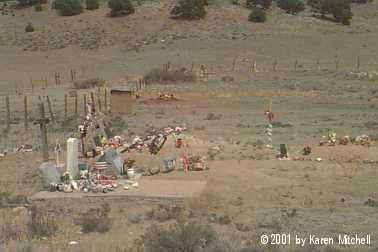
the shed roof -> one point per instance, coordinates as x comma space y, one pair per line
124, 88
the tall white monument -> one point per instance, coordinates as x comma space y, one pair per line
73, 157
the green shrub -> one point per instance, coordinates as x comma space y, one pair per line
257, 15
92, 4
362, 1
120, 7
189, 9
68, 7
29, 28
180, 237
24, 3
291, 6
315, 5
340, 9
38, 7
265, 4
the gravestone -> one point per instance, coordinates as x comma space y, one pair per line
49, 174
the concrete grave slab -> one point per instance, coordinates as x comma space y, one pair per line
148, 188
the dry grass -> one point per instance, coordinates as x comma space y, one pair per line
14, 224
41, 224
6, 198
165, 212
95, 220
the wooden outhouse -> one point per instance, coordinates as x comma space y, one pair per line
121, 100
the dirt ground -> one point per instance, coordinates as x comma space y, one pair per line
260, 194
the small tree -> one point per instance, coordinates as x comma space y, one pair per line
92, 4
120, 7
291, 6
24, 3
38, 7
315, 5
29, 27
68, 7
265, 4
340, 9
362, 1
189, 9
257, 15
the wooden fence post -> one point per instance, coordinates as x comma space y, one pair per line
25, 112
295, 65
75, 109
275, 65
65, 107
93, 104
7, 105
85, 104
99, 99
106, 99
358, 63
50, 108
254, 66
73, 75
233, 64
57, 78
317, 65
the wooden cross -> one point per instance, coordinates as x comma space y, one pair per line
43, 121
269, 114
57, 150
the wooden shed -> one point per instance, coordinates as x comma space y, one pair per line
121, 100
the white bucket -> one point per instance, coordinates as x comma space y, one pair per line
130, 173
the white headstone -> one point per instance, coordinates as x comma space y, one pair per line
73, 157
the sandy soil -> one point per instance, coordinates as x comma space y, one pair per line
246, 182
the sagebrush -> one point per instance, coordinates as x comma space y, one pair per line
68, 7
158, 75
189, 9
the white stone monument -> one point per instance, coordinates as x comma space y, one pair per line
73, 157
